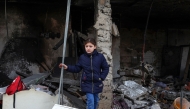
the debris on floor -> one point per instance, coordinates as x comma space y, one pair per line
136, 88
139, 88
39, 90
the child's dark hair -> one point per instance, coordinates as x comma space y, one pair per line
90, 40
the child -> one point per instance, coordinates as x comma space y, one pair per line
95, 69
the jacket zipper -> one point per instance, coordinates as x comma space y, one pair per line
92, 75
81, 81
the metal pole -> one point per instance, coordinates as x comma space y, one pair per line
143, 78
181, 98
146, 30
64, 47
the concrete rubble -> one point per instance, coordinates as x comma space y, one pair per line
132, 92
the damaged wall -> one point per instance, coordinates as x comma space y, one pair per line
15, 24
103, 26
156, 39
18, 26
46, 25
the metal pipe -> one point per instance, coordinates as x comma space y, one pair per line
181, 98
64, 47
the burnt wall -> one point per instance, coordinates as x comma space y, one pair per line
157, 49
40, 21
163, 32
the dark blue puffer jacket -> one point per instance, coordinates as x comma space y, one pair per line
95, 69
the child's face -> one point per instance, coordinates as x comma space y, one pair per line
89, 47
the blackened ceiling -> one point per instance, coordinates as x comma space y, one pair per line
174, 13
132, 12
164, 13
160, 8
175, 10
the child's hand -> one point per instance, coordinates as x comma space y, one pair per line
63, 65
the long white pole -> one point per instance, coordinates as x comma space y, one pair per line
64, 47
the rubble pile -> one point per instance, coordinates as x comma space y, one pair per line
43, 82
138, 88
